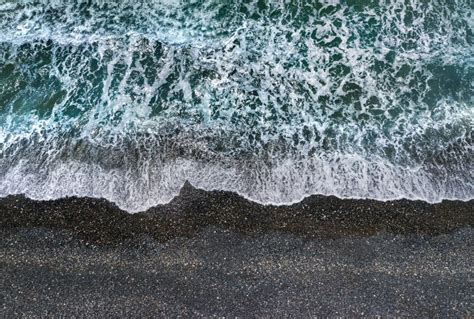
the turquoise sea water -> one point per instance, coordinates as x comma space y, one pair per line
276, 100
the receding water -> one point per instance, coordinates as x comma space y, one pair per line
276, 100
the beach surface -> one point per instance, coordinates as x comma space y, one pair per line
217, 254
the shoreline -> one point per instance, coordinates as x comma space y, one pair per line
193, 209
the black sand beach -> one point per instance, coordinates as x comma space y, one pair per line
120, 102
217, 254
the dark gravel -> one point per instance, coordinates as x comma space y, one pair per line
215, 254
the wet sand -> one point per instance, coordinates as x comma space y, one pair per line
217, 254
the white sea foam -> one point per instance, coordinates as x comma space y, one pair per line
137, 190
126, 100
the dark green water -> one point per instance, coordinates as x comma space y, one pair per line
276, 100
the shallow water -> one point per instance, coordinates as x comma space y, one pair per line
275, 100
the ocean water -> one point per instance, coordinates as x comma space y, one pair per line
276, 100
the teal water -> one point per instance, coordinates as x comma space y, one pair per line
276, 100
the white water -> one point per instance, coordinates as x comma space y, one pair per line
164, 92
